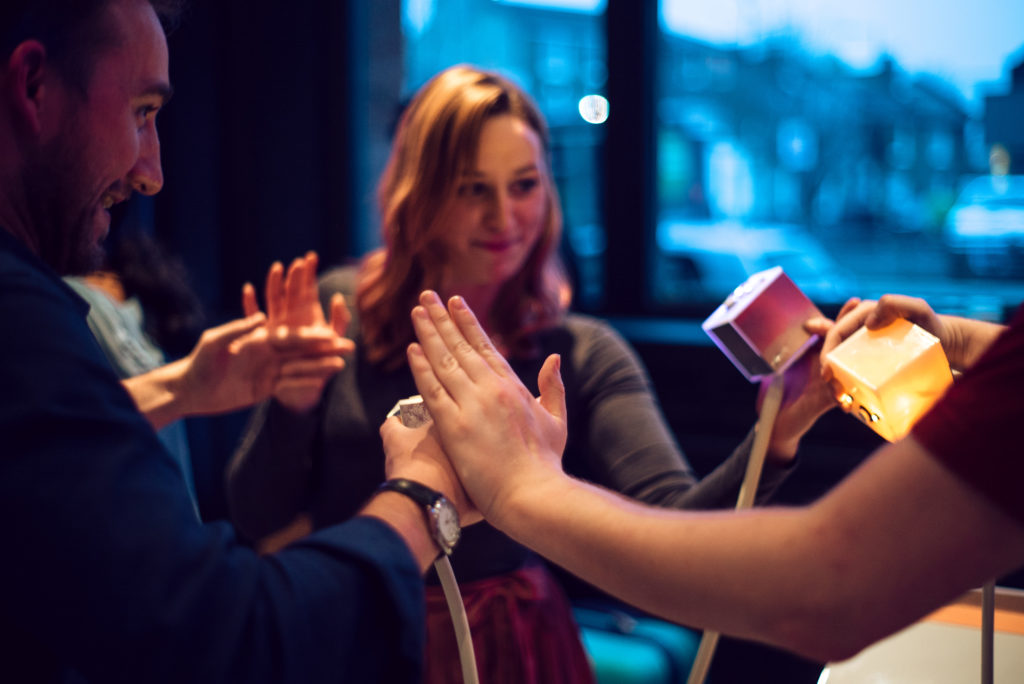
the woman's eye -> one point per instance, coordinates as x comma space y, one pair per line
524, 186
472, 190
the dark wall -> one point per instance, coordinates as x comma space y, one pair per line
258, 156
256, 144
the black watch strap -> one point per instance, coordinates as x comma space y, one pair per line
421, 494
442, 518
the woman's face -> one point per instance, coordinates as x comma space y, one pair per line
500, 206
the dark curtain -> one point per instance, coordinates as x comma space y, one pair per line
263, 149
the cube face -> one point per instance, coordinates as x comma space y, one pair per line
411, 411
760, 325
889, 378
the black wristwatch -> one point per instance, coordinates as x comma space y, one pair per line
442, 518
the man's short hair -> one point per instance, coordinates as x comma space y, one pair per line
73, 31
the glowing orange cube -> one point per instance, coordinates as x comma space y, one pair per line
889, 377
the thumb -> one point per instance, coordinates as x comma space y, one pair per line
249, 305
340, 315
818, 325
390, 424
228, 332
552, 390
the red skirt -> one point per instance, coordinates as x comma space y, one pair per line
523, 632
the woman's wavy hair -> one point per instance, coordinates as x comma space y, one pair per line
435, 143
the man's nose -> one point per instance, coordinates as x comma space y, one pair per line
147, 176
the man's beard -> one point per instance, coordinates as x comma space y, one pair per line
55, 182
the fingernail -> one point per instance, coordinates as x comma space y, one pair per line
414, 350
419, 312
457, 302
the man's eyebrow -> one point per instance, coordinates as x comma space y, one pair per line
162, 90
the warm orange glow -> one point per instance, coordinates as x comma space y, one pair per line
889, 377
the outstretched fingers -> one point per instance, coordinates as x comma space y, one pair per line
475, 336
433, 349
453, 357
309, 288
250, 306
294, 288
430, 387
274, 295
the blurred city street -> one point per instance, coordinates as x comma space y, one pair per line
919, 265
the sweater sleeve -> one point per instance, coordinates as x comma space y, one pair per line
630, 448
270, 477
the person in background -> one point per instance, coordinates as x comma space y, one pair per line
107, 574
142, 311
140, 305
921, 521
469, 207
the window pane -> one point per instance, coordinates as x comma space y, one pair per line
866, 147
555, 50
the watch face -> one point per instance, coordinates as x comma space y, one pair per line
447, 522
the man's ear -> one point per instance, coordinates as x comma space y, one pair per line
25, 84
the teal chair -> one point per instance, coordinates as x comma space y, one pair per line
635, 649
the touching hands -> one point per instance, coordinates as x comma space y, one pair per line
498, 436
307, 345
229, 368
416, 454
291, 354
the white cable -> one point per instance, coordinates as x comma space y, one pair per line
413, 413
455, 606
748, 490
988, 611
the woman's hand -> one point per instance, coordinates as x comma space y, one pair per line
416, 454
806, 397
500, 438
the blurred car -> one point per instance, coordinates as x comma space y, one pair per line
984, 230
704, 261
